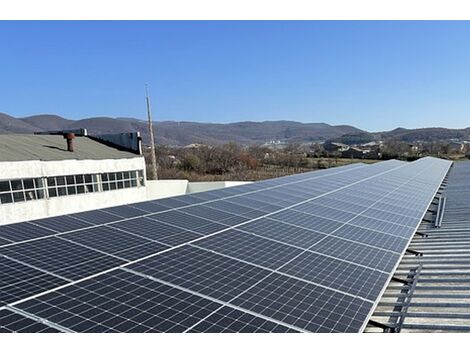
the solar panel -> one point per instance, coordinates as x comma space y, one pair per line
19, 281
14, 322
251, 248
23, 231
157, 231
202, 272
115, 242
308, 252
62, 258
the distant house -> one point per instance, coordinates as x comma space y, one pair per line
354, 153
359, 153
335, 147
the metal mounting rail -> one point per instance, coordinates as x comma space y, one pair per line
398, 315
404, 301
440, 212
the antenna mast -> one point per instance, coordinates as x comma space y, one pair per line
153, 158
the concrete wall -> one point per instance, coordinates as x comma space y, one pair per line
37, 168
166, 188
194, 187
37, 209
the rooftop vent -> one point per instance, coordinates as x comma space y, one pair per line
69, 137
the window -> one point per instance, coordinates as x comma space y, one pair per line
72, 184
121, 180
21, 190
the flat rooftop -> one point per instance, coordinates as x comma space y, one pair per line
23, 147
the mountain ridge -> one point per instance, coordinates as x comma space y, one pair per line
182, 133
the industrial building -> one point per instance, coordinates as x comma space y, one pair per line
45, 175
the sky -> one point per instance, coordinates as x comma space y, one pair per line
375, 75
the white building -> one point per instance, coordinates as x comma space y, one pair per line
39, 177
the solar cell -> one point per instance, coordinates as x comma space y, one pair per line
189, 222
62, 223
150, 207
339, 275
213, 214
382, 226
250, 248
19, 281
229, 320
23, 231
4, 241
116, 242
14, 322
96, 217
372, 238
304, 305
125, 211
357, 253
121, 302
157, 231
278, 231
308, 221
202, 271
61, 257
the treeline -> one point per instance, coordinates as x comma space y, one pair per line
231, 162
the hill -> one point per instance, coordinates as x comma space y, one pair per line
425, 134
183, 133
248, 132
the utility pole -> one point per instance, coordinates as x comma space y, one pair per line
153, 158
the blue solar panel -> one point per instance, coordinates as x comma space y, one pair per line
308, 252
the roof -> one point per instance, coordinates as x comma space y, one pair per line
310, 252
22, 147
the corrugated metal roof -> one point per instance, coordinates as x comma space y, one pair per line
21, 147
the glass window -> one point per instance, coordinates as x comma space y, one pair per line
5, 186
39, 183
71, 190
16, 185
88, 178
5, 198
60, 180
70, 180
39, 194
61, 191
28, 183
52, 192
30, 195
51, 181
18, 196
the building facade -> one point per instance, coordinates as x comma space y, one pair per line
40, 177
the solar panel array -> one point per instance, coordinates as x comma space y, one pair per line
311, 252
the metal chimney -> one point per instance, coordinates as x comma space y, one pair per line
69, 137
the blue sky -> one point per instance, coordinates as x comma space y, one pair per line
373, 75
